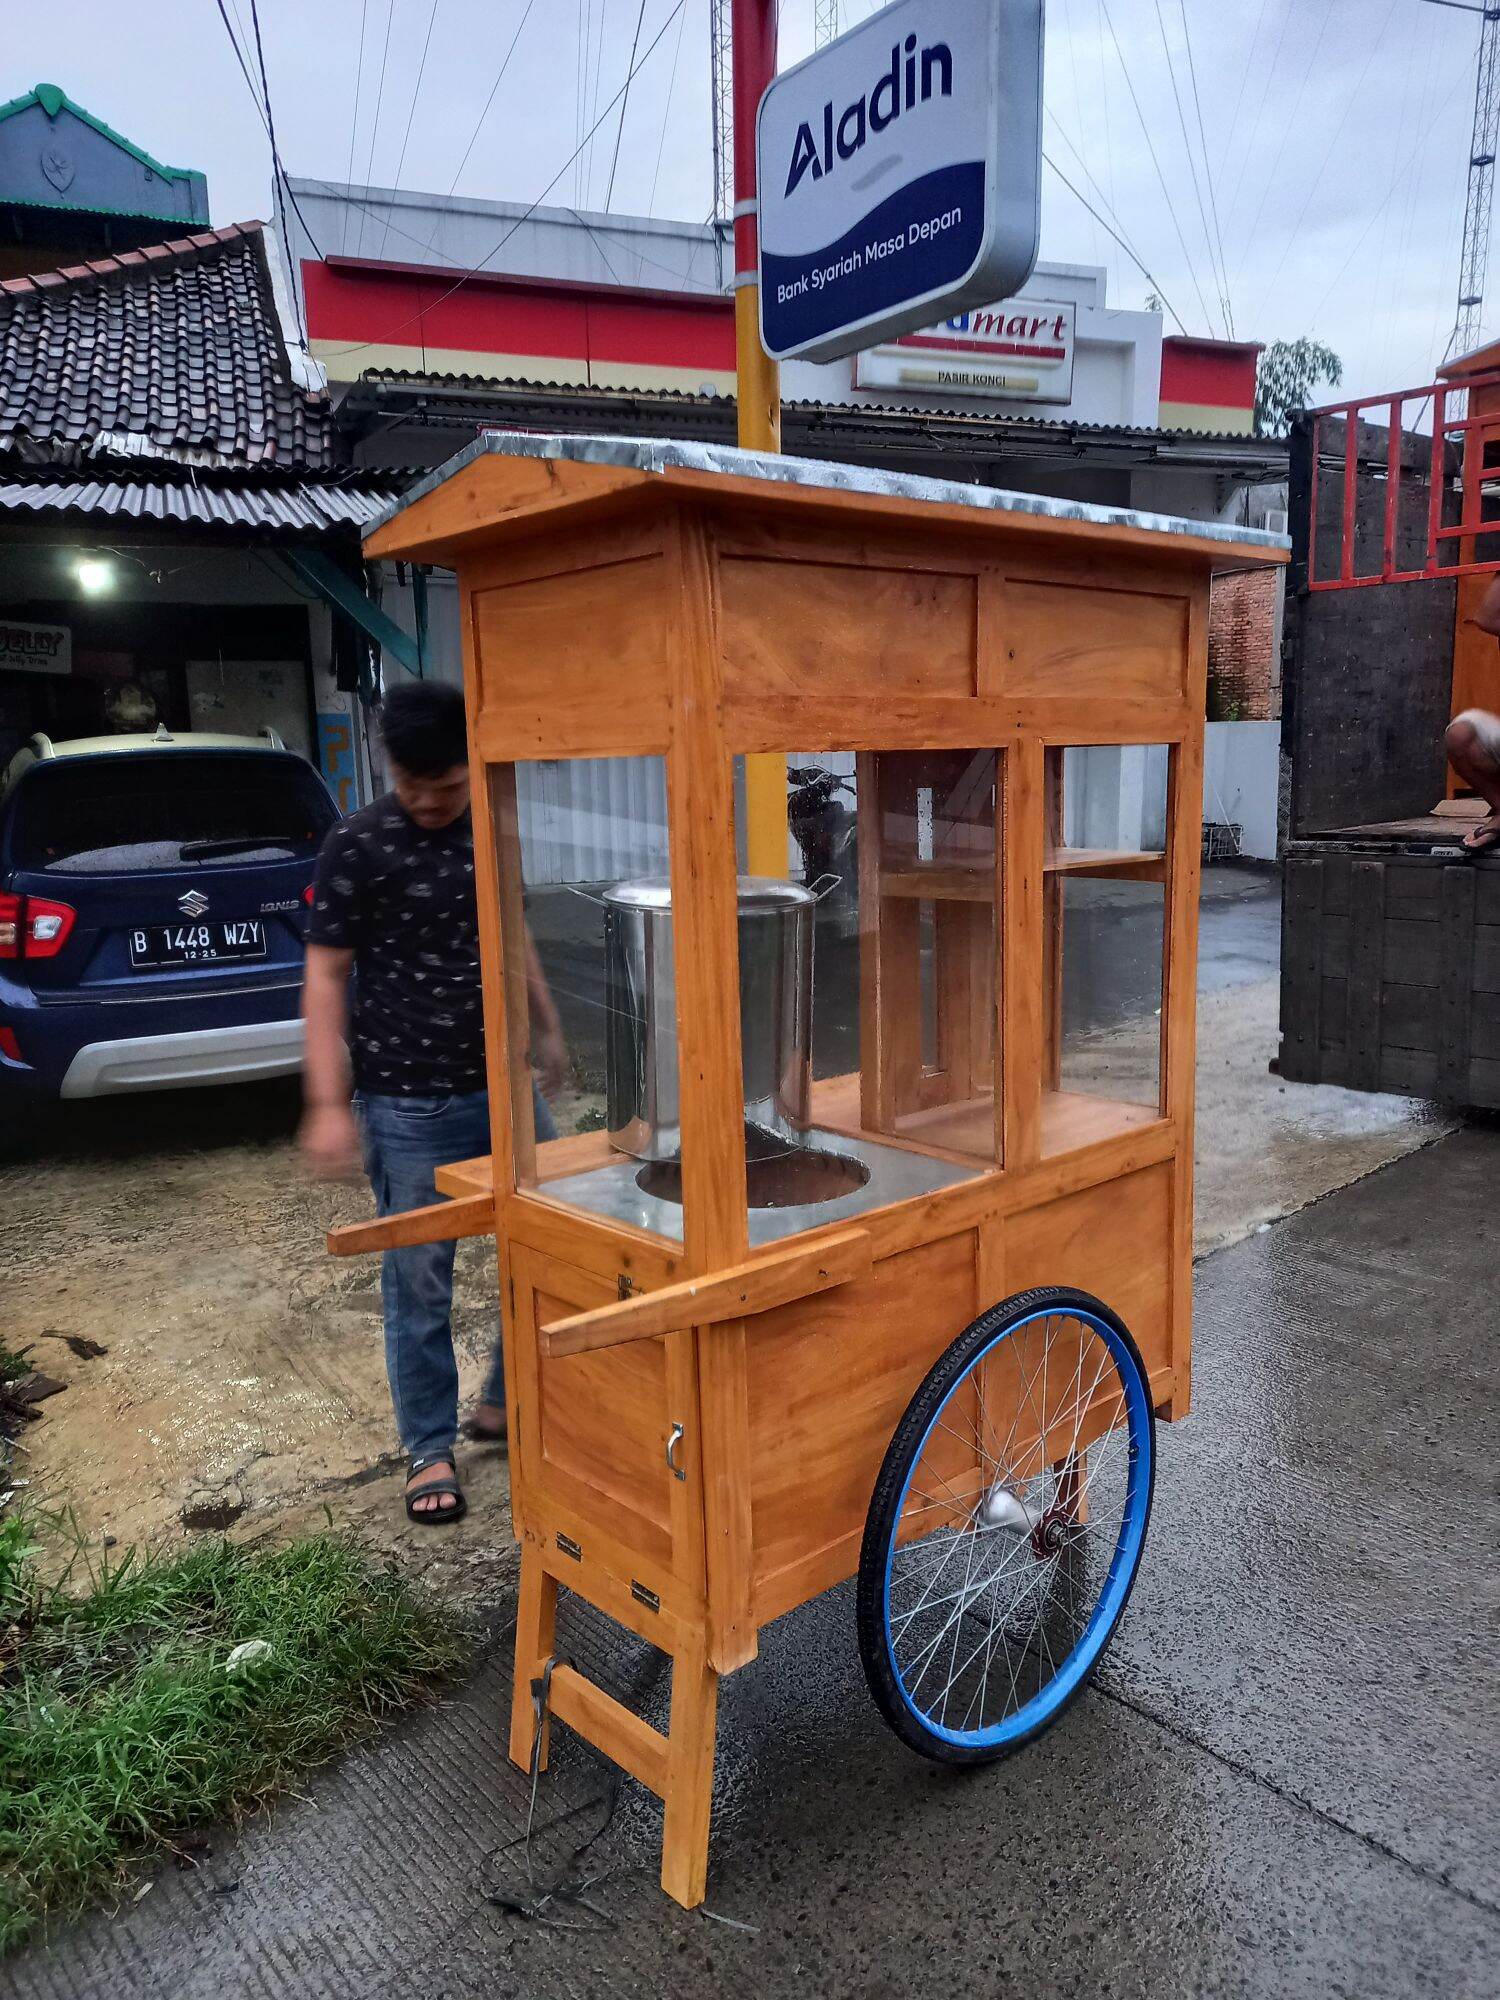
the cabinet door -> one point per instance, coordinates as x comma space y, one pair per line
601, 1458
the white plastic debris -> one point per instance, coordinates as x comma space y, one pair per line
248, 1653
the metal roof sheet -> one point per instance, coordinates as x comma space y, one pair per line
296, 510
664, 455
436, 383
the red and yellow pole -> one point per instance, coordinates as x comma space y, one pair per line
758, 379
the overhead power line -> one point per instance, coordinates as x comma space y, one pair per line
1208, 174
281, 187
476, 270
412, 108
1151, 279
635, 42
1161, 177
1187, 147
359, 77
375, 122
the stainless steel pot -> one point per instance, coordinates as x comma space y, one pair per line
776, 945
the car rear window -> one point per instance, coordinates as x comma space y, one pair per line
171, 809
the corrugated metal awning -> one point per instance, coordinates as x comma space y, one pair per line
295, 510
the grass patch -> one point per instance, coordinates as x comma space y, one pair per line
12, 1366
121, 1726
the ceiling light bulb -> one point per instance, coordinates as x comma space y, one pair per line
94, 575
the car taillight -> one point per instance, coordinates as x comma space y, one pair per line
48, 926
307, 894
10, 1048
34, 926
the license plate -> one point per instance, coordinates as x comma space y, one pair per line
197, 944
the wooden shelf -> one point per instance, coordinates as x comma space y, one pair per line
941, 885
1071, 1120
1124, 866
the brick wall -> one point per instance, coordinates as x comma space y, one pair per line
1243, 640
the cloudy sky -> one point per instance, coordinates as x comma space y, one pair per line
1329, 163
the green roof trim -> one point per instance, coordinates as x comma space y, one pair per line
53, 101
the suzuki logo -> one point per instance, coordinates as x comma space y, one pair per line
193, 904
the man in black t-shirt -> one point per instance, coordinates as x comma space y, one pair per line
393, 972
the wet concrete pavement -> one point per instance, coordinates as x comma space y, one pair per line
1283, 1782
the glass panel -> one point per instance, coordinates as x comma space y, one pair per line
1104, 940
583, 854
886, 924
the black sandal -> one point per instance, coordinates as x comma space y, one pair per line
434, 1517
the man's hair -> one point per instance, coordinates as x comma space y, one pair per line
422, 728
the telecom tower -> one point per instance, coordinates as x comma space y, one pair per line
1476, 250
825, 28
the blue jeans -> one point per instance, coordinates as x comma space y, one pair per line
405, 1140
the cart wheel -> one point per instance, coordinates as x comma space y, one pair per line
1006, 1527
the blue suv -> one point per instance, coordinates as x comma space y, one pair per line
152, 906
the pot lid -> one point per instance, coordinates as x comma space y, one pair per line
756, 893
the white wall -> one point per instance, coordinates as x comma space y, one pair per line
1241, 768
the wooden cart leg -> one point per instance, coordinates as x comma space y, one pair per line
690, 1779
536, 1629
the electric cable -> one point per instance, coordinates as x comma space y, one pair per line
375, 125
412, 111
635, 42
1110, 213
359, 73
1152, 280
1077, 97
1309, 69
1208, 175
1316, 181
1246, 67
666, 116
1187, 147
1161, 177
1109, 149
1286, 22
476, 270
588, 171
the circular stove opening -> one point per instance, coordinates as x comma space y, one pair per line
776, 1176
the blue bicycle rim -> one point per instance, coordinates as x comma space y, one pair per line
1045, 1703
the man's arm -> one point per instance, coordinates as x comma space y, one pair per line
329, 1136
549, 1050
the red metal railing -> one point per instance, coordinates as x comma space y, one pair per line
1462, 461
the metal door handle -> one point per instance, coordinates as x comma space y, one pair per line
677, 1471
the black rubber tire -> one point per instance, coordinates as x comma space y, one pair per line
880, 1520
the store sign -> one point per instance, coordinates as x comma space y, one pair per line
900, 174
35, 649
1021, 349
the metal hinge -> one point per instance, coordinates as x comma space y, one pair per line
625, 1286
644, 1596
570, 1548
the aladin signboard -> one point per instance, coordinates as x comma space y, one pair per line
899, 171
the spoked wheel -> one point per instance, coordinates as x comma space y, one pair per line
1006, 1527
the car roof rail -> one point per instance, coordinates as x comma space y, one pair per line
42, 745
271, 736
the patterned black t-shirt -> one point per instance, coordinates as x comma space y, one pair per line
402, 899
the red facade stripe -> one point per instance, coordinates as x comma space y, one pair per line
1209, 371
504, 316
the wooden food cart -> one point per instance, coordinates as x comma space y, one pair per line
735, 1314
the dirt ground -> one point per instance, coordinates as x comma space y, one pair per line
243, 1386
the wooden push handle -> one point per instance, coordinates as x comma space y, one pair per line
796, 1271
444, 1221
